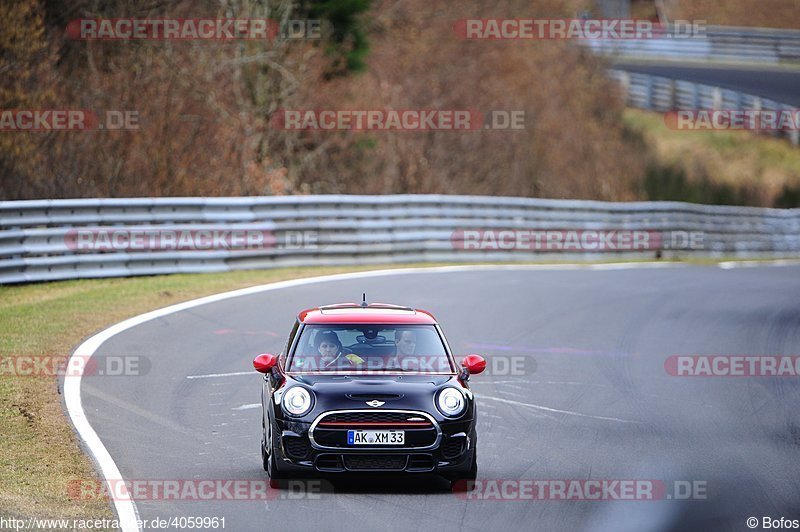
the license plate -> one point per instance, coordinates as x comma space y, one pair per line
376, 437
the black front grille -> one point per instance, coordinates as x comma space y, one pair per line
332, 429
337, 437
370, 417
296, 448
329, 462
453, 447
421, 462
361, 462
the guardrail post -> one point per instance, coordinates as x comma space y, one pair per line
695, 96
673, 95
625, 81
716, 98
792, 134
648, 89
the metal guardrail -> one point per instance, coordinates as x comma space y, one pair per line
34, 235
718, 43
656, 93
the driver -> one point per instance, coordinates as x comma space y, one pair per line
330, 352
405, 343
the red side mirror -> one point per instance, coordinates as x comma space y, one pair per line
265, 362
474, 363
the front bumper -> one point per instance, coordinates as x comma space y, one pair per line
441, 446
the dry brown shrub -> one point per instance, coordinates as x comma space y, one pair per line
204, 110
572, 146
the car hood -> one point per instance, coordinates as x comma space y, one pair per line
372, 379
342, 392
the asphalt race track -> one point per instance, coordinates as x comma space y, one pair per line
594, 402
778, 85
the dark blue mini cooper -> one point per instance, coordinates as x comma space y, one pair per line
364, 389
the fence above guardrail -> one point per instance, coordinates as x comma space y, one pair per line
44, 240
717, 43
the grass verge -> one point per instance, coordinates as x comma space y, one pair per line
717, 167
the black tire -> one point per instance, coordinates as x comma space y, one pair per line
263, 445
473, 470
268, 460
466, 481
264, 457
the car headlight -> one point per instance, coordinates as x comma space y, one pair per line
296, 401
451, 402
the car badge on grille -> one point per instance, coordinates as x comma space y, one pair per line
375, 403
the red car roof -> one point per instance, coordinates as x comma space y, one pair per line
373, 313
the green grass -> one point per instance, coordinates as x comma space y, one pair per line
717, 166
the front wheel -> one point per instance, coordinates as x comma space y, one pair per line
466, 482
268, 460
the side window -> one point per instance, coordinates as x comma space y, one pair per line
289, 341
306, 346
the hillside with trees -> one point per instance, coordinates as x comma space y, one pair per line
205, 107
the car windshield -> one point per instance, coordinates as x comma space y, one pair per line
370, 348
